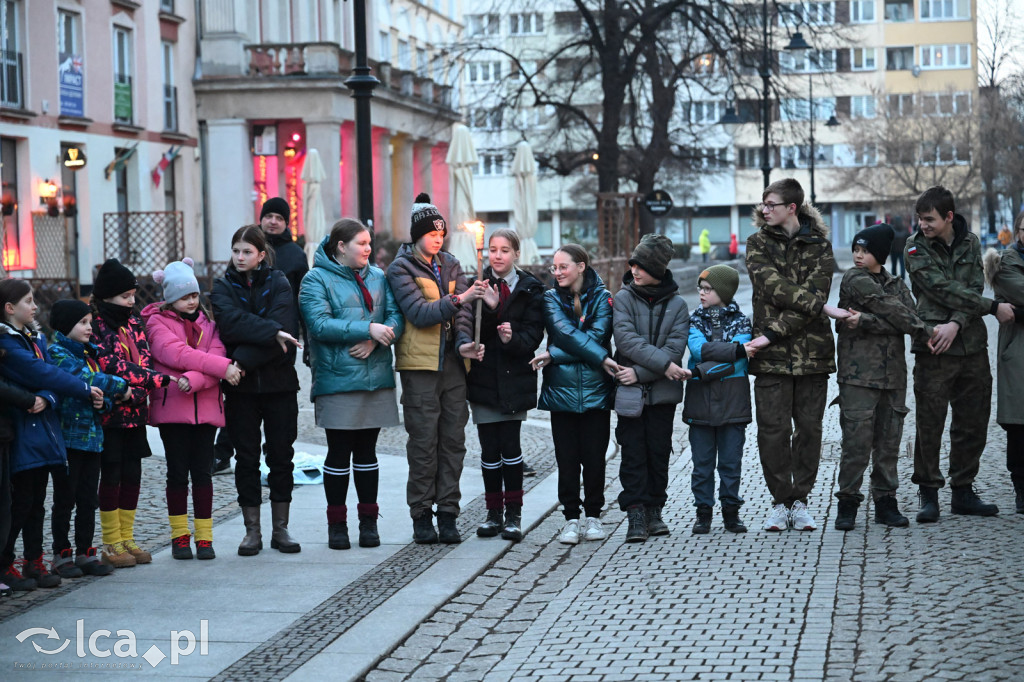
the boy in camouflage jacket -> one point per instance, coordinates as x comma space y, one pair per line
872, 376
952, 369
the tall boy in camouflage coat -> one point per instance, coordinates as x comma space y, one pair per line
790, 263
872, 376
951, 370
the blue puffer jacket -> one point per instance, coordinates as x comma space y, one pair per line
80, 423
37, 438
336, 319
575, 380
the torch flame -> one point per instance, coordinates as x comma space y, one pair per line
477, 229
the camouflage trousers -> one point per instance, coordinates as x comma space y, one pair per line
872, 421
789, 417
963, 382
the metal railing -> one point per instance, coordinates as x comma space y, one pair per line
12, 75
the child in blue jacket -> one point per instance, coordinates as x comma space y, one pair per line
38, 448
75, 488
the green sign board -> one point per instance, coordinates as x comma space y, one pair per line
123, 102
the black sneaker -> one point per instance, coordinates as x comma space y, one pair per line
181, 547
491, 525
38, 571
64, 564
887, 512
423, 532
965, 501
528, 471
702, 526
12, 577
89, 562
846, 519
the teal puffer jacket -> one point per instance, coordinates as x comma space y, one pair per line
575, 380
337, 318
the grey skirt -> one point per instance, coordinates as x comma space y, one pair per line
357, 410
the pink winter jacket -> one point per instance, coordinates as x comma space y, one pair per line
203, 366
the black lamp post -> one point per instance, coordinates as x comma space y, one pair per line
362, 83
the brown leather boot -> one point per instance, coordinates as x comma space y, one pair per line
252, 543
279, 538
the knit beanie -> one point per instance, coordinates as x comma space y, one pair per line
178, 280
653, 254
66, 313
723, 279
877, 239
425, 218
276, 205
113, 279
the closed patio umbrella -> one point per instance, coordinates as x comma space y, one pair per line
312, 203
524, 202
461, 160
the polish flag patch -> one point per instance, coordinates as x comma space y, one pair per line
912, 250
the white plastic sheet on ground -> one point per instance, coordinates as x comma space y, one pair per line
312, 203
524, 202
461, 160
309, 469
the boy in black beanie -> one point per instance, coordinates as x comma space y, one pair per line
872, 376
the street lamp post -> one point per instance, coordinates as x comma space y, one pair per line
797, 43
362, 83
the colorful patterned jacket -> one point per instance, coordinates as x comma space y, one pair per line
124, 352
79, 422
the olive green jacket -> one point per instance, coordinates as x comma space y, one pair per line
1005, 272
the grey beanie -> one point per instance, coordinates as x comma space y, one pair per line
178, 280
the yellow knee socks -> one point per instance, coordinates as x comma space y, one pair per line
127, 519
110, 526
179, 525
204, 529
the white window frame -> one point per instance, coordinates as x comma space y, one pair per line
75, 20
868, 58
704, 112
797, 109
863, 106
490, 164
906, 104
860, 8
808, 61
865, 154
902, 49
930, 54
808, 13
934, 101
525, 24
483, 24
384, 46
483, 71
404, 55
945, 10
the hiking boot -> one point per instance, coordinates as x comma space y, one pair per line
513, 529
252, 543
12, 577
117, 556
204, 550
655, 525
731, 519
141, 555
64, 564
846, 519
636, 531
570, 533
368, 535
446, 530
181, 547
38, 571
280, 539
337, 536
89, 562
423, 532
966, 501
887, 512
491, 525
800, 517
702, 526
1019, 489
929, 497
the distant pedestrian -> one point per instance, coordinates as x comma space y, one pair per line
872, 376
951, 370
1005, 236
651, 323
258, 320
790, 263
502, 386
717, 406
352, 319
705, 244
578, 388
289, 257
734, 246
899, 243
1005, 273
185, 342
432, 357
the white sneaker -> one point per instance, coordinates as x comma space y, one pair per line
570, 533
778, 519
593, 530
800, 518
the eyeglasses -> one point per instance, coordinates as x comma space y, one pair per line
555, 269
769, 205
705, 289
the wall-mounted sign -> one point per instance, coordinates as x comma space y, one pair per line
264, 140
71, 77
658, 202
74, 158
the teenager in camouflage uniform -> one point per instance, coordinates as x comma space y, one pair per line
952, 369
872, 376
790, 263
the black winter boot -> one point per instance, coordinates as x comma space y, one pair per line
655, 525
446, 530
846, 518
1019, 489
887, 512
423, 532
368, 535
513, 529
929, 504
731, 519
702, 526
966, 501
337, 536
491, 525
636, 531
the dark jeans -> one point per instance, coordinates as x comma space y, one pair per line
278, 413
646, 445
501, 458
790, 410
189, 452
121, 467
581, 441
724, 445
960, 382
28, 498
75, 488
351, 452
1015, 452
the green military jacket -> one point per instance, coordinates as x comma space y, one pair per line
947, 282
791, 278
873, 353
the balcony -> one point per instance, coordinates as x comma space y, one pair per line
12, 75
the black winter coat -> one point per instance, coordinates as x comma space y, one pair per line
249, 315
504, 380
14, 397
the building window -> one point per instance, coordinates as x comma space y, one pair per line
807, 61
946, 56
485, 119
862, 11
945, 104
525, 24
421, 62
482, 24
865, 154
899, 58
70, 72
384, 46
483, 72
945, 10
170, 91
705, 112
122, 75
799, 156
899, 10
404, 55
798, 108
862, 106
862, 59
12, 74
9, 201
567, 23
167, 6
170, 202
900, 105
807, 14
491, 164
